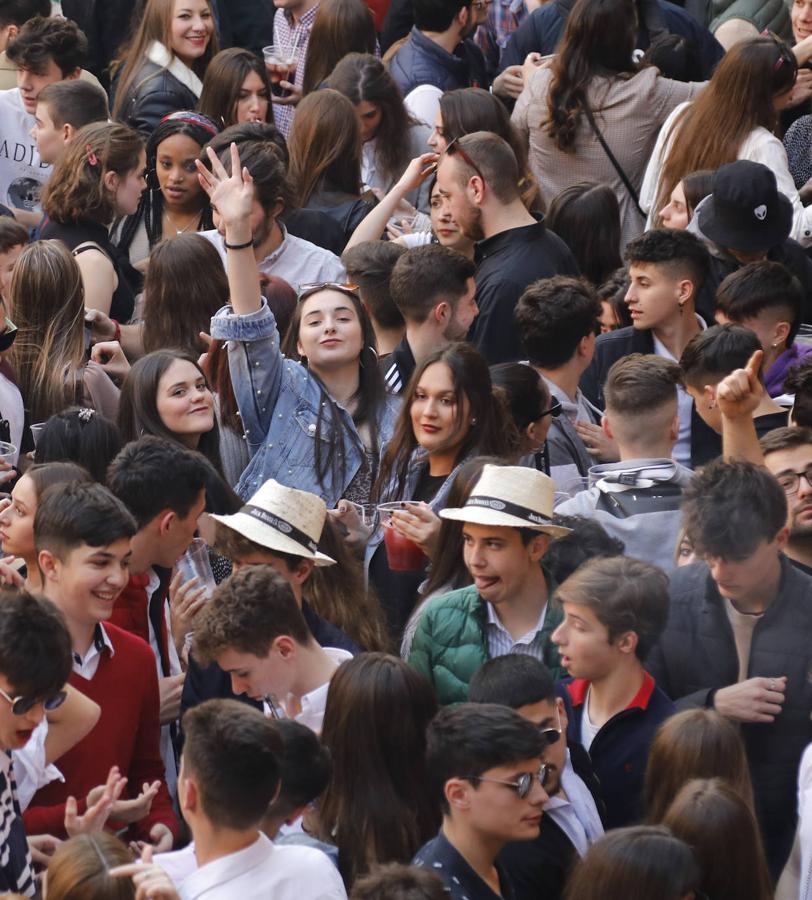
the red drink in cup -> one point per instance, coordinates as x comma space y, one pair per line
281, 67
403, 555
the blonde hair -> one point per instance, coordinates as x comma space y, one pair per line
155, 25
48, 303
76, 188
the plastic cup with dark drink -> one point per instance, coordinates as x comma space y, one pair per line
281, 67
402, 554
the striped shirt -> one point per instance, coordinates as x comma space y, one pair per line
501, 642
291, 37
16, 875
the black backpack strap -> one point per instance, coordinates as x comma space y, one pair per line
611, 156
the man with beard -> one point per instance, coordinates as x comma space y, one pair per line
572, 815
433, 287
276, 250
439, 55
478, 182
788, 455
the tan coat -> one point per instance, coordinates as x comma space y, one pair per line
629, 112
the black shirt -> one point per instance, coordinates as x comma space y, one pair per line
461, 881
506, 264
398, 367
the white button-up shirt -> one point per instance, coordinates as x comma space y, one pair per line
87, 665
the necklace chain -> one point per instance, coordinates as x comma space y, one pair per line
186, 227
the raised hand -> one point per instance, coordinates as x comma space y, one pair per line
740, 393
232, 195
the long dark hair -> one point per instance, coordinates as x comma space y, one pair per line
330, 444
376, 807
224, 79
599, 39
151, 206
490, 435
467, 110
340, 27
363, 78
324, 146
587, 218
138, 404
184, 287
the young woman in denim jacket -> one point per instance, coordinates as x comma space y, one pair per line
449, 415
316, 423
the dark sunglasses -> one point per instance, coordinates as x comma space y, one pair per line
523, 784
306, 290
8, 335
554, 410
21, 705
454, 147
551, 735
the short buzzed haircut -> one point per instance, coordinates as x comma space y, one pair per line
714, 353
553, 315
679, 252
786, 438
370, 265
496, 161
513, 680
762, 287
641, 383
247, 613
426, 276
75, 102
625, 595
729, 508
232, 751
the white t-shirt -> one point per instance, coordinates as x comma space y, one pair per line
22, 175
588, 730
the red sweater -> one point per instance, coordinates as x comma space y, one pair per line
126, 687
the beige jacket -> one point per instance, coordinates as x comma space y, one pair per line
629, 112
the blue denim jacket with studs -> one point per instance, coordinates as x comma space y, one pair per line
278, 400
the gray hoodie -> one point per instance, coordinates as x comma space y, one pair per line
638, 502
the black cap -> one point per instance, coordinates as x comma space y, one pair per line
745, 211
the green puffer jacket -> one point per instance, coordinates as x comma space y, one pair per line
772, 14
451, 641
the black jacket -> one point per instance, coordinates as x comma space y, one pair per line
210, 682
539, 869
614, 345
506, 264
421, 60
697, 655
541, 30
153, 93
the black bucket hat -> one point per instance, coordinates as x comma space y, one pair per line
745, 211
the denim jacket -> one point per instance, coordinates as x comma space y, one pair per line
278, 400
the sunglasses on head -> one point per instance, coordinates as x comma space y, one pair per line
523, 784
307, 290
549, 734
455, 147
21, 705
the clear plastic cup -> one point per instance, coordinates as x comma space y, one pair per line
281, 66
195, 564
8, 452
367, 512
385, 511
36, 431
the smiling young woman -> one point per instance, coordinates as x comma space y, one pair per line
160, 70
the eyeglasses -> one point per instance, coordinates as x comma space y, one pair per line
523, 783
21, 705
551, 736
454, 147
305, 290
554, 410
791, 481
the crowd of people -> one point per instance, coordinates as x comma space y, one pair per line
406, 449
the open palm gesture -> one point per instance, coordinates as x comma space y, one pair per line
232, 195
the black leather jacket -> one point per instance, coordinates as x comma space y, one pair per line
153, 93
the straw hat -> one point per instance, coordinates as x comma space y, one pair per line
510, 496
282, 519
